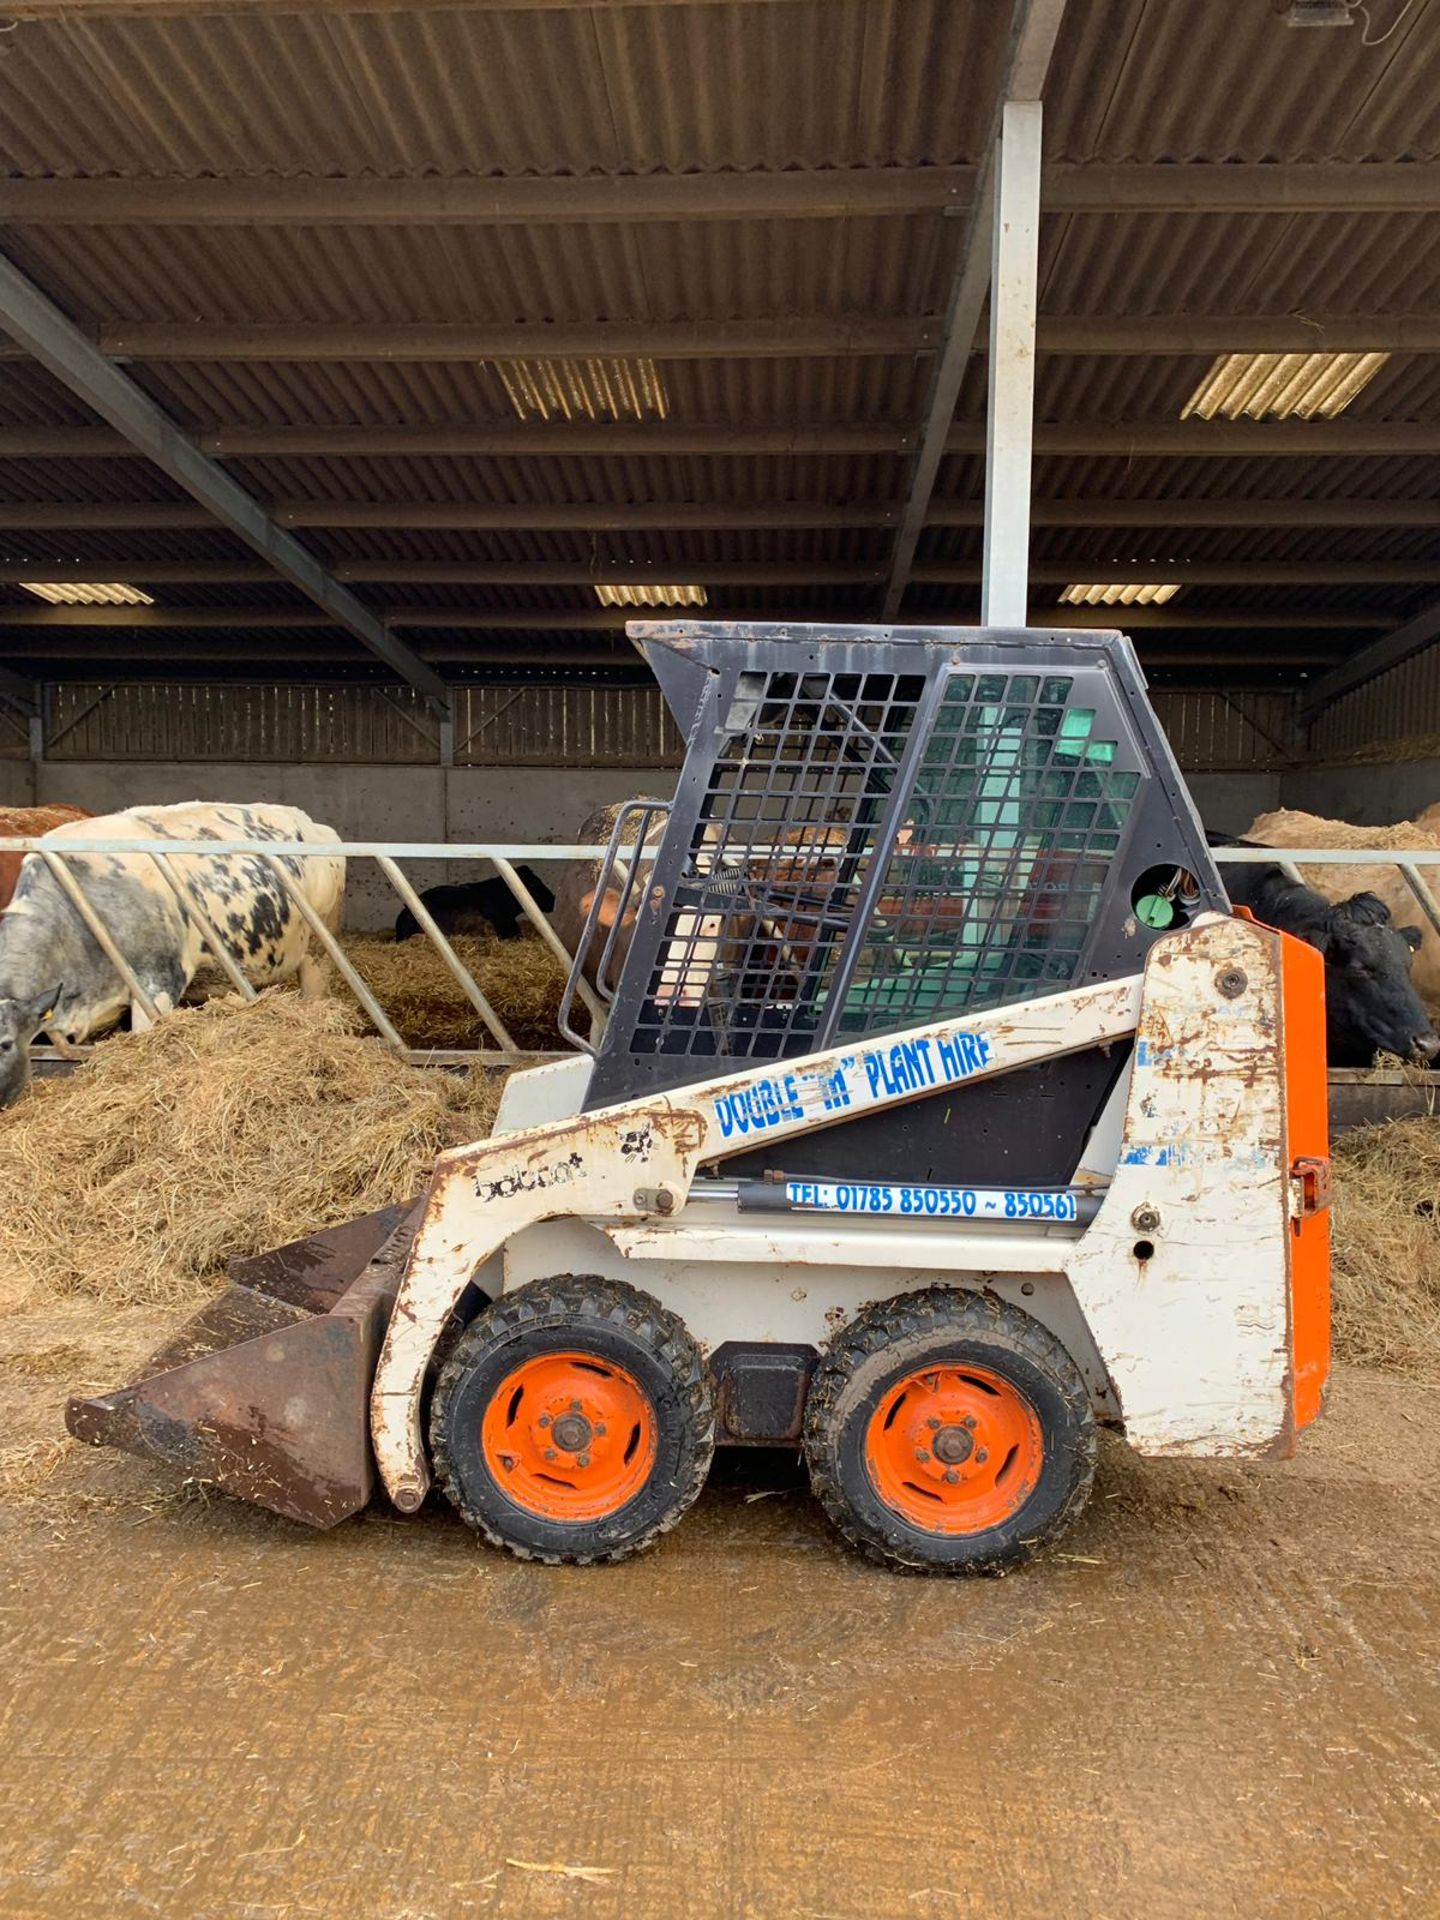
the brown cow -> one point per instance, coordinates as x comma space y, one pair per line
575, 893
24, 823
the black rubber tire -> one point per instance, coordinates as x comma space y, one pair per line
942, 1325
618, 1323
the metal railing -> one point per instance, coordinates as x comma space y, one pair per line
167, 856
1409, 862
505, 857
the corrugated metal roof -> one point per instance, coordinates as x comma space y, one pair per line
643, 89
1149, 80
412, 94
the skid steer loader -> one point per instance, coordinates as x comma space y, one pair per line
943, 1114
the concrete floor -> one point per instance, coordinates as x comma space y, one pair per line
1221, 1697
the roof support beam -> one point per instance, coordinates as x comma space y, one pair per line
1010, 395
1034, 26
1184, 439
57, 655
790, 573
37, 323
210, 9
782, 339
1181, 333
524, 200
794, 194
47, 619
790, 338
1379, 657
466, 516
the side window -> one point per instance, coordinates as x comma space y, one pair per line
1000, 865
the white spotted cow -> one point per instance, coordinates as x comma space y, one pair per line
55, 978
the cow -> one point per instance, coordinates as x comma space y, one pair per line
54, 976
27, 823
1287, 828
576, 886
1370, 1004
477, 907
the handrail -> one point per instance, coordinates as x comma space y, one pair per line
56, 852
360, 849
1328, 856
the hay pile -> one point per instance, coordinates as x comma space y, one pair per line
228, 1128
521, 979
1387, 1247
1286, 828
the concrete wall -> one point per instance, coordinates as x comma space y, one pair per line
368, 803
1228, 802
14, 783
1368, 796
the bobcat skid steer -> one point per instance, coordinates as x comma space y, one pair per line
943, 1114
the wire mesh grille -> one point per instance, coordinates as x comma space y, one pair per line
999, 866
874, 850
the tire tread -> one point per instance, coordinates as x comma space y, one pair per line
942, 1312
564, 1301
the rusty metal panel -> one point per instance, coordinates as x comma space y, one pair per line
264, 1391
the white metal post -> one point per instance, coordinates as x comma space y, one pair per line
1011, 412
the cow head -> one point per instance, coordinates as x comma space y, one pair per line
1371, 1005
20, 1021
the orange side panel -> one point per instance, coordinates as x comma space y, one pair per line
1307, 1126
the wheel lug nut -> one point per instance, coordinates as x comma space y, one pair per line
922, 1454
951, 1477
981, 1457
583, 1460
575, 1407
969, 1421
550, 1453
600, 1433
934, 1425
544, 1419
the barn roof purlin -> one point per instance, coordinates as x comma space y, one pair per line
122, 95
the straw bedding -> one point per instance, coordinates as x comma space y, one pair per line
521, 979
1387, 1247
226, 1129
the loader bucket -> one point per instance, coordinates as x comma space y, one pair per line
265, 1392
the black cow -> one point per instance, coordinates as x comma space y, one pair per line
1370, 1005
477, 906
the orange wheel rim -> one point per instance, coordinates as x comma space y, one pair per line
954, 1449
569, 1436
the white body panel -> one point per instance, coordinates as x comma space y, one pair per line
541, 1094
1191, 1340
